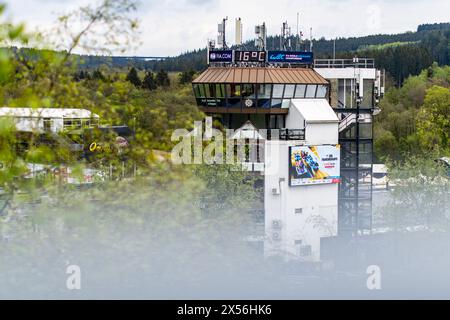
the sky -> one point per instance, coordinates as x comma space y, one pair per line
170, 27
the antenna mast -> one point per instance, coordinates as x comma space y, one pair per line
261, 37
297, 42
221, 39
238, 32
285, 41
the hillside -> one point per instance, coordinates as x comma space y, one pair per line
400, 54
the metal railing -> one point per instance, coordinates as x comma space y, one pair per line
345, 63
286, 134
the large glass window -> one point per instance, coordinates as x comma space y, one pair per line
248, 91
349, 93
367, 101
278, 90
365, 130
321, 91
233, 90
199, 91
276, 103
210, 90
264, 91
220, 91
300, 91
311, 91
289, 91
264, 103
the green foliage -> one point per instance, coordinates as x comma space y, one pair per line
433, 122
186, 76
414, 118
420, 194
149, 82
162, 78
133, 77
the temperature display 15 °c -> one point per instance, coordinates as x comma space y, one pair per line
250, 56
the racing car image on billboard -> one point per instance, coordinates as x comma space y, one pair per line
314, 165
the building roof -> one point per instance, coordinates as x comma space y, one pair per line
260, 75
46, 113
315, 110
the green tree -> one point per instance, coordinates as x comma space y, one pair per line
433, 122
162, 78
186, 76
133, 77
149, 82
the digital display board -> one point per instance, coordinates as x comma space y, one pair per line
300, 57
309, 165
250, 56
221, 56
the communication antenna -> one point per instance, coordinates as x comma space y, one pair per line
209, 47
221, 39
310, 40
238, 32
261, 37
297, 42
284, 38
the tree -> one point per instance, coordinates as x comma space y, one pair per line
162, 78
419, 195
186, 76
433, 122
149, 82
98, 75
133, 77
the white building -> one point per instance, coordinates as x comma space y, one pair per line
49, 119
298, 216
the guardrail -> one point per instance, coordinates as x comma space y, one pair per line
345, 63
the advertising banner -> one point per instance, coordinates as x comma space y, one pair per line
309, 165
300, 57
221, 56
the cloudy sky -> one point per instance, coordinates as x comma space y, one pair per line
169, 27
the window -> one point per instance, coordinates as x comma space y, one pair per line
278, 90
210, 90
285, 103
199, 91
311, 91
47, 124
367, 101
264, 91
276, 103
72, 123
321, 91
289, 91
220, 91
233, 90
248, 91
300, 91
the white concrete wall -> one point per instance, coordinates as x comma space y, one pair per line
321, 133
318, 204
294, 119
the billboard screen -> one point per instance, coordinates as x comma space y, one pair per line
221, 56
309, 165
250, 56
301, 57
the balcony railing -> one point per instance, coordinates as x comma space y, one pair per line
345, 63
286, 134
